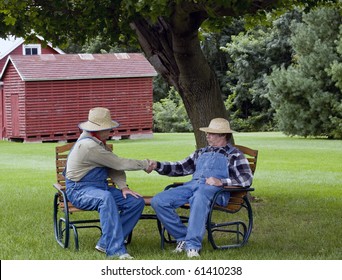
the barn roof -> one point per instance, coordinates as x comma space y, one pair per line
8, 44
49, 67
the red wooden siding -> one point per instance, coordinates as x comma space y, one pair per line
44, 103
13, 91
54, 108
2, 113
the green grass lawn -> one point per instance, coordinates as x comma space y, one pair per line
297, 211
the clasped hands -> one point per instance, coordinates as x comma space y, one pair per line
152, 165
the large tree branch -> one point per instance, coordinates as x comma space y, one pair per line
156, 42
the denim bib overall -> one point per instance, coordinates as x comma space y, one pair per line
118, 215
198, 194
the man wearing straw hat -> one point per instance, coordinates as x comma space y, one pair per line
212, 167
89, 165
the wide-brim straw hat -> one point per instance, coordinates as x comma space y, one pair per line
217, 125
98, 119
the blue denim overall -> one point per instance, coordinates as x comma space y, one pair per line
198, 194
118, 215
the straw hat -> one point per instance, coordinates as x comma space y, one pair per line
217, 125
98, 119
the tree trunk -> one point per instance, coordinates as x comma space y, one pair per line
174, 51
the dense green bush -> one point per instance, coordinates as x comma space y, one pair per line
307, 95
253, 53
170, 114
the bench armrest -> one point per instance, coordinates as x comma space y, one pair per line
238, 189
61, 194
58, 187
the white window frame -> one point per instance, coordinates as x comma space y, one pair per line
32, 46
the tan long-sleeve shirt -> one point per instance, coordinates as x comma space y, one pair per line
90, 152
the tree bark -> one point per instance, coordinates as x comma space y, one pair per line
177, 56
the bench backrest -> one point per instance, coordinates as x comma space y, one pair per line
237, 197
251, 155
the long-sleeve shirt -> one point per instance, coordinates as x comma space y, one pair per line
90, 152
240, 173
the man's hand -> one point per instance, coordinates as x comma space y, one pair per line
152, 164
126, 191
212, 181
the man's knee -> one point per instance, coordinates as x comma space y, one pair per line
106, 197
135, 202
156, 201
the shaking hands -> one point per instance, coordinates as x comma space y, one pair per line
152, 165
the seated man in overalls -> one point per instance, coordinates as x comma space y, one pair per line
89, 165
217, 165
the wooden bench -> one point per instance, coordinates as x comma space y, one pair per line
66, 220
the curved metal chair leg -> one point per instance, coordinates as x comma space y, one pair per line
250, 218
241, 229
129, 238
75, 236
61, 224
164, 239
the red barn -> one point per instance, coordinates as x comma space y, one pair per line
45, 96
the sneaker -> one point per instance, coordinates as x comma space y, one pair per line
125, 256
100, 249
192, 253
180, 247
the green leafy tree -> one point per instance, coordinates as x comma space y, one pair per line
336, 68
253, 54
167, 32
100, 45
336, 74
307, 95
170, 114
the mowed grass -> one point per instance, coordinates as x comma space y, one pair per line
297, 207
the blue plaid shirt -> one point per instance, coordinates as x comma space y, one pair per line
240, 173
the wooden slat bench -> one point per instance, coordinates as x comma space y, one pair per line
65, 220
